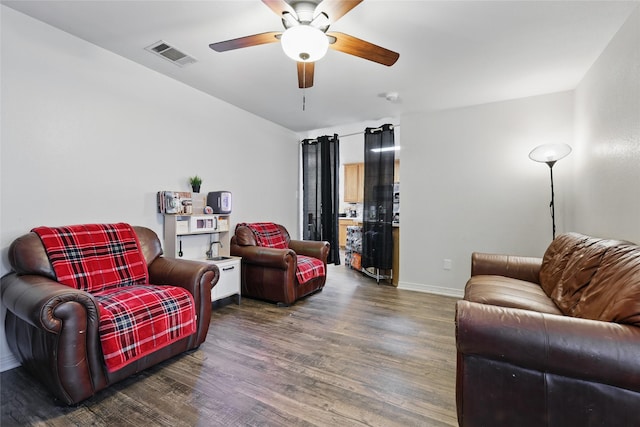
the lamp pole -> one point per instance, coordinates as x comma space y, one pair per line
552, 205
550, 154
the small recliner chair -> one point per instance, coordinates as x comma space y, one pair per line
276, 268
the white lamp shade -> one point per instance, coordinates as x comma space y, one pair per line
304, 43
549, 153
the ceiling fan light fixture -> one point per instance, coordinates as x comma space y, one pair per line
304, 43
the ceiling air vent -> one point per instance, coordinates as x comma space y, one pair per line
170, 53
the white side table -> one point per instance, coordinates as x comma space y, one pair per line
229, 281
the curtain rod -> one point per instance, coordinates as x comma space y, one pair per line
348, 134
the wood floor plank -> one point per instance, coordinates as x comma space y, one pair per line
356, 354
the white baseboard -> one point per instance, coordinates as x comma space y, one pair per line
438, 290
8, 361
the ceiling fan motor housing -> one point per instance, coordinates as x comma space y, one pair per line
304, 10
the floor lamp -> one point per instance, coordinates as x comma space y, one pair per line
550, 154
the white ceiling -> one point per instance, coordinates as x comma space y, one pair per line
452, 53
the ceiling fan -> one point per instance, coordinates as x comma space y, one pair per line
306, 39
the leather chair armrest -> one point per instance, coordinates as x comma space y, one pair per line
188, 274
198, 278
311, 248
35, 299
589, 350
266, 257
515, 267
70, 364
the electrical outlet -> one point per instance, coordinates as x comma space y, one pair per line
447, 264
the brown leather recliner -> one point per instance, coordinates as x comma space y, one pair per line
53, 329
270, 274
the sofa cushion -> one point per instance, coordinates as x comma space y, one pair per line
94, 257
135, 321
593, 278
507, 292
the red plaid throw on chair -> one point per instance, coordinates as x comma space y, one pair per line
94, 257
267, 235
136, 318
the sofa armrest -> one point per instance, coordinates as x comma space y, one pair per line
584, 349
282, 259
311, 248
515, 267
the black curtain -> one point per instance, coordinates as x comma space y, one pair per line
377, 215
320, 167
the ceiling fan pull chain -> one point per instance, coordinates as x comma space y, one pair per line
304, 86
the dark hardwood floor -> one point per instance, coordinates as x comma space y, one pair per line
355, 354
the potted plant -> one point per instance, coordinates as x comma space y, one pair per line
195, 182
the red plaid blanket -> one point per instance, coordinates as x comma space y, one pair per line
136, 318
94, 257
268, 235
308, 268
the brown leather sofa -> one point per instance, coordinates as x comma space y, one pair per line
552, 341
53, 329
270, 274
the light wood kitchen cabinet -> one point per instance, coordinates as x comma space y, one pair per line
354, 182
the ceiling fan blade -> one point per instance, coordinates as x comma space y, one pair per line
305, 74
354, 46
279, 6
254, 40
336, 9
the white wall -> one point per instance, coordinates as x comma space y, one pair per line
88, 136
606, 199
468, 185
